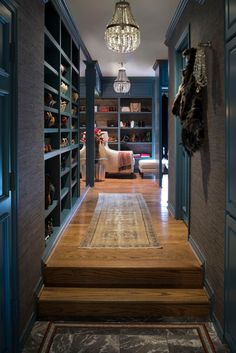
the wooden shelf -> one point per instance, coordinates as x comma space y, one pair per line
51, 130
49, 67
65, 171
51, 154
50, 208
60, 49
64, 192
50, 88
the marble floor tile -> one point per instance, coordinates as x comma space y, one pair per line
36, 336
143, 344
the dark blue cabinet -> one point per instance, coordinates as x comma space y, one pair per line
231, 126
230, 283
5, 192
230, 18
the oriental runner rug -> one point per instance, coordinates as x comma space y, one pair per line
122, 221
127, 338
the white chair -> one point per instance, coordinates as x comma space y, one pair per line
112, 159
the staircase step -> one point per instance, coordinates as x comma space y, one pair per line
76, 303
123, 277
138, 268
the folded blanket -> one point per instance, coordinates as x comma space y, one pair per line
124, 160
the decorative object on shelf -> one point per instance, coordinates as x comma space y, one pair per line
135, 107
96, 108
121, 124
132, 124
63, 70
64, 121
98, 138
103, 109
49, 120
112, 123
47, 148
125, 109
63, 105
48, 227
141, 123
145, 109
75, 96
49, 100
188, 106
63, 88
122, 34
122, 83
112, 108
82, 108
74, 110
72, 141
64, 142
49, 191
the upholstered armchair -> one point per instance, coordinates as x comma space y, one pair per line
121, 162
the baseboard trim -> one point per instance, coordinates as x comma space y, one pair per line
26, 332
197, 250
171, 209
218, 327
208, 288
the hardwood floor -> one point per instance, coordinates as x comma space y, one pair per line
170, 272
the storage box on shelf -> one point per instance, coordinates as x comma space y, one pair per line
61, 123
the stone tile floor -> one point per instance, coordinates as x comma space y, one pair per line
72, 339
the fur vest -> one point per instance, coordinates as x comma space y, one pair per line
188, 106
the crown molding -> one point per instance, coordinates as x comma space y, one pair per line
175, 19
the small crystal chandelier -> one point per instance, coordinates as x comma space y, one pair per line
122, 34
122, 83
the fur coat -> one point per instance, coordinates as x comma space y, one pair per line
188, 106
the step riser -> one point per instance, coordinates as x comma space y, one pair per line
141, 278
61, 310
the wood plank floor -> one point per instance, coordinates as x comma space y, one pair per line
82, 270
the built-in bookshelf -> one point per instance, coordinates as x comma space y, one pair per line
61, 123
128, 121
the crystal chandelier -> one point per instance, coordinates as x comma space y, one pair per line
122, 34
121, 83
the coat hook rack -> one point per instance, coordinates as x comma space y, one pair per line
205, 44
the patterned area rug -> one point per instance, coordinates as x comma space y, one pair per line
121, 220
127, 338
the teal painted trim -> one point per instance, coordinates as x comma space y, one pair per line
171, 209
28, 328
70, 24
197, 250
13, 6
90, 73
208, 288
175, 19
182, 43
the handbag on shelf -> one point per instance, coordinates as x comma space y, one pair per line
135, 107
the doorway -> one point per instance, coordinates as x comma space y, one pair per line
182, 159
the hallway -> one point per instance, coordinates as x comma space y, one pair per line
168, 281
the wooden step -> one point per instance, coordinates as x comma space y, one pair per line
76, 303
137, 268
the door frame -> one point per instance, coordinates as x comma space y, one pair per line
183, 43
14, 275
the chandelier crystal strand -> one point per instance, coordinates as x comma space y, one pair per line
122, 34
122, 83
199, 70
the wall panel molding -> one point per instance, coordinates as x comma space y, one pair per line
175, 19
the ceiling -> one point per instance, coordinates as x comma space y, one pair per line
153, 18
